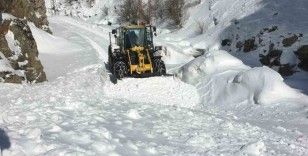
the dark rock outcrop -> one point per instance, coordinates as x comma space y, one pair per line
271, 46
302, 54
24, 63
226, 42
239, 45
249, 45
272, 58
31, 10
286, 70
19, 60
287, 42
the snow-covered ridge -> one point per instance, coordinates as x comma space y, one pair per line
224, 79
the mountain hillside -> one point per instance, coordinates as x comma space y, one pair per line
259, 32
271, 33
230, 78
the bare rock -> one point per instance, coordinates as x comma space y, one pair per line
22, 59
272, 58
287, 70
226, 42
287, 42
302, 54
239, 45
249, 45
32, 10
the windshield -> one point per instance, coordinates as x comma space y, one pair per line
134, 37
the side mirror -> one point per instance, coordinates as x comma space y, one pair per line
157, 48
114, 31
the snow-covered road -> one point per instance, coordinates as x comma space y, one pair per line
80, 112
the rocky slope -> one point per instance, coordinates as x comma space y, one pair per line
259, 32
32, 10
19, 60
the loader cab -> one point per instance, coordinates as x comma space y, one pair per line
135, 37
131, 36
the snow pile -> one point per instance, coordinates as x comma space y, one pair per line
223, 79
253, 149
174, 93
5, 64
173, 55
265, 85
133, 114
211, 63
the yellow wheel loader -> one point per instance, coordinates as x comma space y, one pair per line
132, 52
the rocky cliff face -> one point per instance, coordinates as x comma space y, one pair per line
276, 49
31, 10
19, 60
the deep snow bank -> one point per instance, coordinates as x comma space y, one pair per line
223, 79
211, 63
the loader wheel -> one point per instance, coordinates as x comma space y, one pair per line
159, 67
110, 60
119, 70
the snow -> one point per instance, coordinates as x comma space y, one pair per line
224, 108
223, 79
253, 149
5, 64
6, 16
133, 114
174, 93
12, 43
251, 17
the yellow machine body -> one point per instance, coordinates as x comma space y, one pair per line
141, 67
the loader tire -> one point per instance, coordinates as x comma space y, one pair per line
159, 67
119, 70
110, 60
